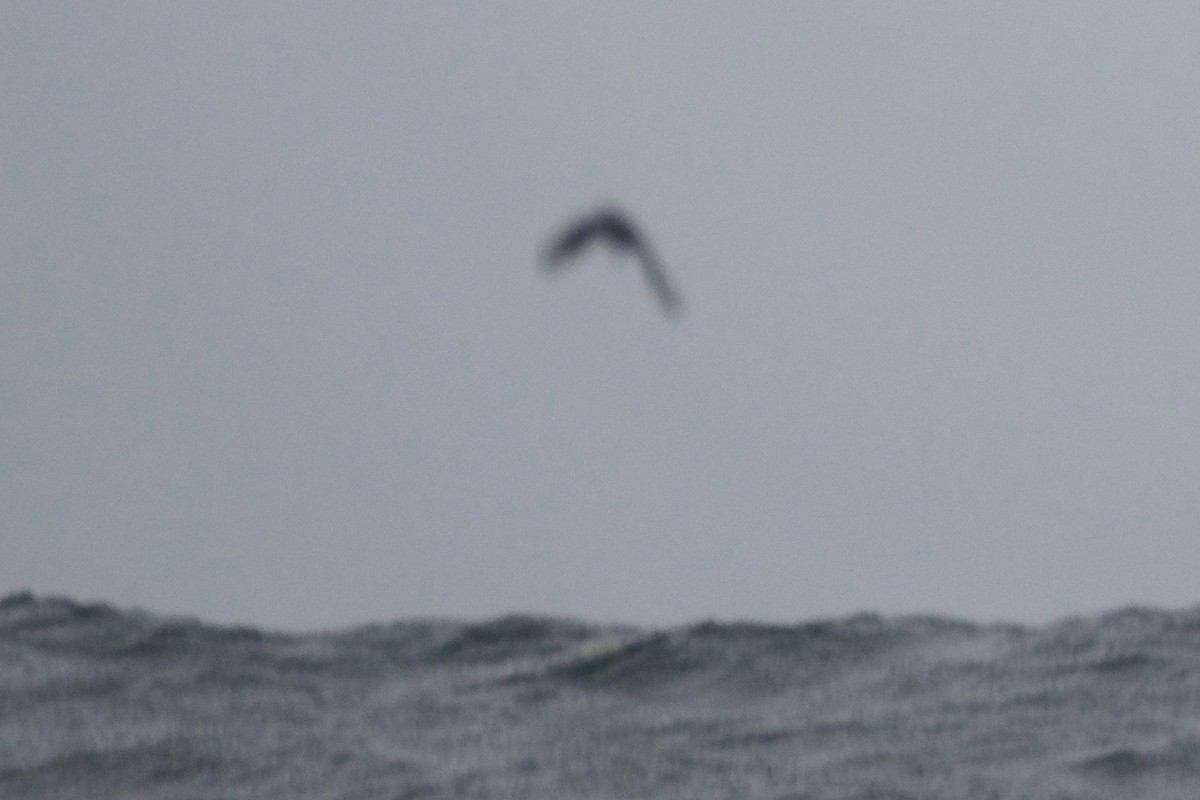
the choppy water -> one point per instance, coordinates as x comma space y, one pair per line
97, 702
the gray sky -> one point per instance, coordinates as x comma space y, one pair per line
274, 348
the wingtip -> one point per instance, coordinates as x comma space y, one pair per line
673, 309
550, 260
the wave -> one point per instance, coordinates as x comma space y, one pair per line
129, 702
742, 655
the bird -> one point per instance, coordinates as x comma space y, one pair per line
612, 226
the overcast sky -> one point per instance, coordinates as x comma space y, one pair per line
274, 347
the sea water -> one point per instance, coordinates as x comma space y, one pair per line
98, 702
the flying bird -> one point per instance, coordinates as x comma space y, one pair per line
615, 229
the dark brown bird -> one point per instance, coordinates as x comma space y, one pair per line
615, 229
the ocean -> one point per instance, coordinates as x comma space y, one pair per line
99, 702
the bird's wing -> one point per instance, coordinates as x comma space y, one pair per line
568, 243
656, 276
